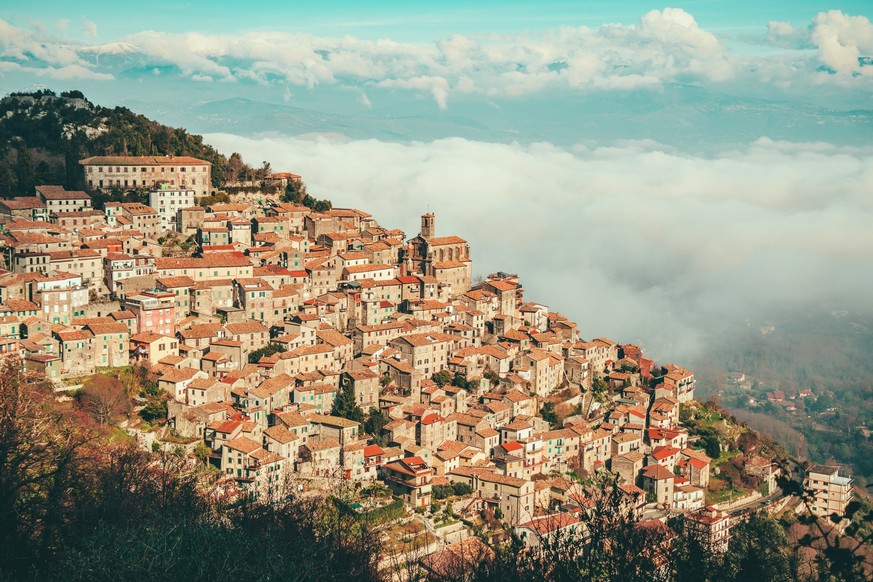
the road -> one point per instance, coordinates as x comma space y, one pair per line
757, 504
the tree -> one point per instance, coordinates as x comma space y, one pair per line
547, 412
153, 521
749, 442
104, 398
694, 557
8, 182
374, 423
346, 406
442, 491
442, 378
461, 381
45, 465
617, 547
295, 192
155, 408
461, 488
758, 550
268, 350
202, 452
25, 174
713, 445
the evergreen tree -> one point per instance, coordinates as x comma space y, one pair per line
758, 550
547, 412
295, 192
25, 175
345, 405
8, 183
442, 378
374, 423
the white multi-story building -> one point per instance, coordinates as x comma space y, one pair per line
61, 297
713, 527
168, 202
129, 172
831, 492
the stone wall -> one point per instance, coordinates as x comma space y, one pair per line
101, 308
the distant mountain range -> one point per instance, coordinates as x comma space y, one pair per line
683, 116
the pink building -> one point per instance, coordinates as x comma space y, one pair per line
154, 311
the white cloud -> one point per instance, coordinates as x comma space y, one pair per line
841, 40
437, 86
364, 100
636, 242
665, 46
44, 56
89, 29
74, 71
674, 26
786, 35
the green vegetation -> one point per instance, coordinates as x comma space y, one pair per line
374, 423
443, 491
217, 198
75, 505
268, 350
442, 378
346, 406
386, 513
154, 399
43, 136
295, 193
79, 506
460, 381
547, 412
823, 352
721, 490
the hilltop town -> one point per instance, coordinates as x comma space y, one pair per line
294, 349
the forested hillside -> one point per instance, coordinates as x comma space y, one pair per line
807, 381
43, 136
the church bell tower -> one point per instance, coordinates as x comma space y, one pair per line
427, 225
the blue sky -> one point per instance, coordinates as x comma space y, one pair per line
344, 57
415, 20
656, 171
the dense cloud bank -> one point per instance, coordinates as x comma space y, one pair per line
636, 242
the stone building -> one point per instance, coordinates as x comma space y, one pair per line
57, 199
128, 172
445, 258
24, 208
139, 217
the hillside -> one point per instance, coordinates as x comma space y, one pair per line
806, 382
316, 439
43, 136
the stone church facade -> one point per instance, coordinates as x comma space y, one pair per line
446, 259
